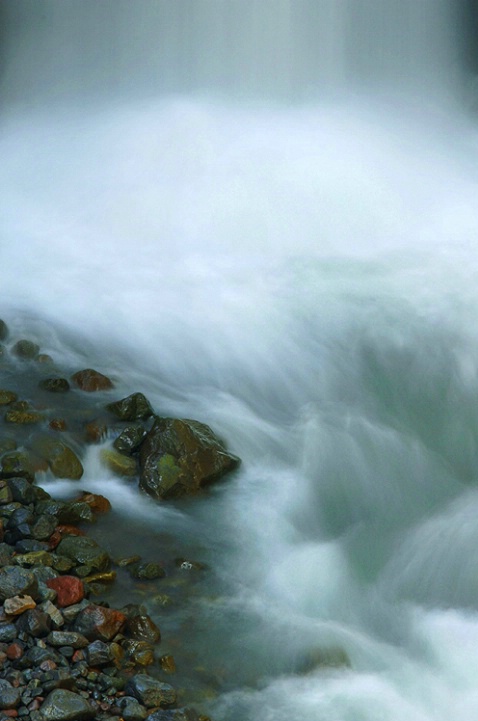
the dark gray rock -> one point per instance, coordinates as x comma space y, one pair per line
63, 705
9, 696
16, 581
21, 490
99, 653
130, 439
55, 385
8, 632
34, 622
151, 692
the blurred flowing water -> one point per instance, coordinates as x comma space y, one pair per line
264, 215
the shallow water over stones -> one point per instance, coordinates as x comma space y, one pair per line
50, 565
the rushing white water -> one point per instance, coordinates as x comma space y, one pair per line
302, 278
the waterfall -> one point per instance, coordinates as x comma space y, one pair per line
262, 214
286, 49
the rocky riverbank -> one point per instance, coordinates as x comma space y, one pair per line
63, 655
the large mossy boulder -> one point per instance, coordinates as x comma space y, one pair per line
180, 456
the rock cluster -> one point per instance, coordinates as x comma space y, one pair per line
64, 657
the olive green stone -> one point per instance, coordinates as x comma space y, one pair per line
22, 417
34, 558
6, 495
26, 349
118, 463
147, 571
7, 397
62, 564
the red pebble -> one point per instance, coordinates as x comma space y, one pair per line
69, 590
12, 712
15, 651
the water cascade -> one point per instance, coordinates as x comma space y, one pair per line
263, 215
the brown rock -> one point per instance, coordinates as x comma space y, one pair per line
15, 651
57, 424
90, 380
61, 531
97, 502
69, 590
95, 431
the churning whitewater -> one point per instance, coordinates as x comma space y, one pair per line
302, 278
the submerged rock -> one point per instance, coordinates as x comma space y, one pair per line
118, 463
181, 456
26, 349
7, 397
62, 460
55, 385
90, 380
151, 692
3, 330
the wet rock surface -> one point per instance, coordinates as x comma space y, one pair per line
65, 653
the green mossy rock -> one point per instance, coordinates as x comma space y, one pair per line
180, 456
7, 397
22, 417
118, 463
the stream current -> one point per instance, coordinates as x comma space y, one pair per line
302, 278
